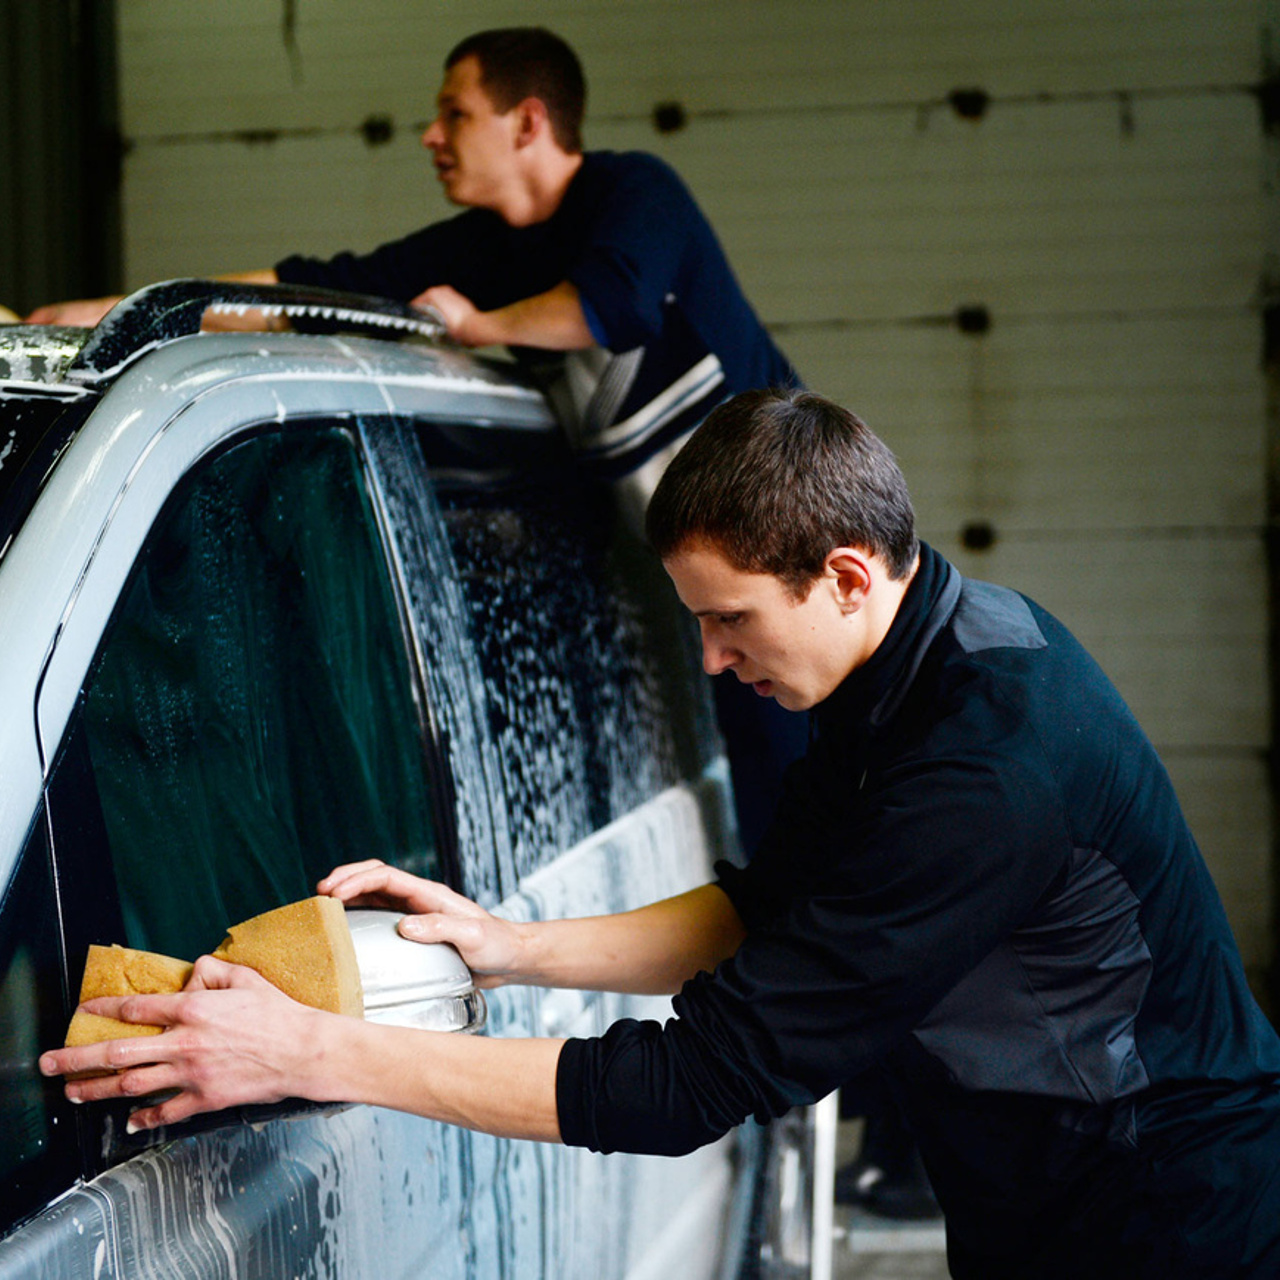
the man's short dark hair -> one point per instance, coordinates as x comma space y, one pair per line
774, 480
530, 62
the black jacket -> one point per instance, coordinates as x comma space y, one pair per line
981, 879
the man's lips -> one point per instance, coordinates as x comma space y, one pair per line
763, 687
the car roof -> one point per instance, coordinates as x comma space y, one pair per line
52, 377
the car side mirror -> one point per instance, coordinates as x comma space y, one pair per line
412, 984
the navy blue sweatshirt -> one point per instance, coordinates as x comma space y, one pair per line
655, 286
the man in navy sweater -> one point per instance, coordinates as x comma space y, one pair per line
602, 256
979, 878
601, 274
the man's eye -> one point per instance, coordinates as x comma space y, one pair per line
729, 619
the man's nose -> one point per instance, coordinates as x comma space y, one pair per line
433, 135
716, 657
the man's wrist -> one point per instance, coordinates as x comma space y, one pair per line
482, 329
528, 968
333, 1065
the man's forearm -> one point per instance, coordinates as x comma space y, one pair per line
498, 1086
553, 320
264, 275
650, 951
252, 321
89, 311
233, 1039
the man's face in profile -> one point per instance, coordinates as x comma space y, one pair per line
473, 145
794, 650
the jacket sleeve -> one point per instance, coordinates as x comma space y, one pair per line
444, 252
863, 911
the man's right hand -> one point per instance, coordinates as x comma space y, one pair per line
81, 312
491, 947
652, 950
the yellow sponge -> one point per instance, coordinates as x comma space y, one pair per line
305, 949
122, 971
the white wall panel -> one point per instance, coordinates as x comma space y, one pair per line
1108, 424
225, 206
189, 67
1033, 211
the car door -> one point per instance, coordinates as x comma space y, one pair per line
263, 659
614, 795
229, 702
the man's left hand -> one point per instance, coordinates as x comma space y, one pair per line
457, 312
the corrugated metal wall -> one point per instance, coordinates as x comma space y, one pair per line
1024, 238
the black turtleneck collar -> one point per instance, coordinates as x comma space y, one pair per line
871, 692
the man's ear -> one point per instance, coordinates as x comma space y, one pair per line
848, 570
532, 121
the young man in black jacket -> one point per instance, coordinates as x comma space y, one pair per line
979, 878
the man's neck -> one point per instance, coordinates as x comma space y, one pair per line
541, 189
882, 608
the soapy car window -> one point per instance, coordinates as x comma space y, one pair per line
251, 718
592, 698
38, 1152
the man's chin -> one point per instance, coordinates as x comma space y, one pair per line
449, 186
785, 698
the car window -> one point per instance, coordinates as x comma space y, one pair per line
251, 720
38, 1152
585, 659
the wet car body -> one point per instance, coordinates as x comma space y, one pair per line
271, 602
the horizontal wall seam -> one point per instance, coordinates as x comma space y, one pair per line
1008, 319
1235, 533
1120, 97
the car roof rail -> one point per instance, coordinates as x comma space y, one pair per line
175, 309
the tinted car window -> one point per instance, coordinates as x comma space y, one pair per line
38, 1151
251, 719
34, 430
584, 655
